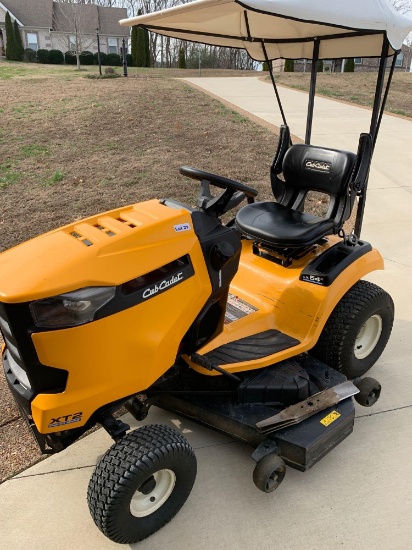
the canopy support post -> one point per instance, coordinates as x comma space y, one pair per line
313, 77
379, 89
273, 82
377, 113
385, 97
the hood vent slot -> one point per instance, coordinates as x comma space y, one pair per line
80, 238
126, 222
108, 232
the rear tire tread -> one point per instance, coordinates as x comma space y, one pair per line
331, 347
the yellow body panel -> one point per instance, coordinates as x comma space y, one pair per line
119, 355
297, 308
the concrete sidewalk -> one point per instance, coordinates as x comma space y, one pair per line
359, 495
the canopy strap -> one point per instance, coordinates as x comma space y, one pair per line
273, 82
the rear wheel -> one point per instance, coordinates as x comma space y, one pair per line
141, 483
357, 330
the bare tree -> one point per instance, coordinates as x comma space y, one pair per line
74, 19
165, 50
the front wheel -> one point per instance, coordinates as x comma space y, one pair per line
141, 483
357, 330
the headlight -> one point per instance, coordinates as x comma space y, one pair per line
72, 309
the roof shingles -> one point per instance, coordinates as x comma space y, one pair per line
32, 13
61, 16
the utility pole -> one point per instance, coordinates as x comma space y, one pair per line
124, 53
98, 52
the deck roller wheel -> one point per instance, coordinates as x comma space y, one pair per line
269, 473
369, 391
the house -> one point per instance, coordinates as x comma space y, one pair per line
46, 24
403, 61
362, 64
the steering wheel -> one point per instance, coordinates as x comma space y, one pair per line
233, 194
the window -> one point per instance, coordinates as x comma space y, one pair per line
399, 60
112, 45
32, 41
358, 61
72, 43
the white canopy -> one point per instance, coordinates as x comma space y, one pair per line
346, 28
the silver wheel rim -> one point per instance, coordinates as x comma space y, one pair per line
368, 337
143, 505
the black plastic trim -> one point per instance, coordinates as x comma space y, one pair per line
148, 286
42, 378
209, 322
325, 269
252, 347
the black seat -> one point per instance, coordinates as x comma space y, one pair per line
305, 168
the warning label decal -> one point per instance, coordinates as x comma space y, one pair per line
237, 308
334, 415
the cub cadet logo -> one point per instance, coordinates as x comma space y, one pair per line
163, 285
67, 419
318, 165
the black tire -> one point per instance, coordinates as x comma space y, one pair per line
122, 486
337, 346
369, 391
269, 473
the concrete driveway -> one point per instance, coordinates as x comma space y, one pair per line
359, 495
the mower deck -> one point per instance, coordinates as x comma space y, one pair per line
300, 446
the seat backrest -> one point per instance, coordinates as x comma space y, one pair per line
309, 168
318, 169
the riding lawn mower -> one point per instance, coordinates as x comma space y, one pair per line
261, 328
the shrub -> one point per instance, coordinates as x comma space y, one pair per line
103, 58
29, 55
109, 70
103, 76
134, 43
86, 58
56, 57
11, 50
43, 56
114, 59
129, 59
319, 66
289, 66
349, 65
182, 59
70, 58
19, 42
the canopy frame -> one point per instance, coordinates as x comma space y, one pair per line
377, 32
